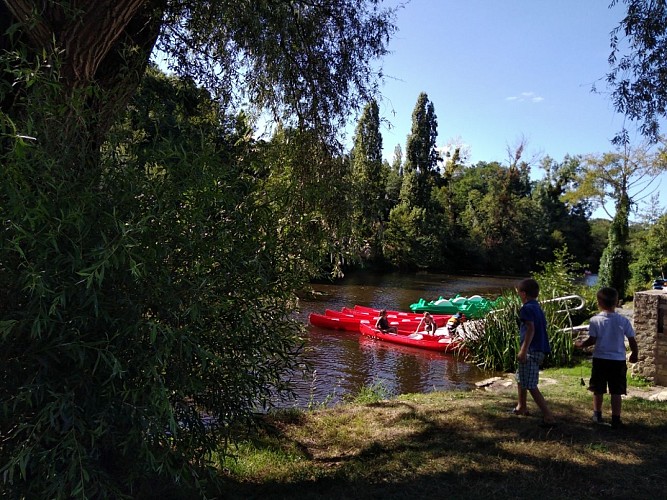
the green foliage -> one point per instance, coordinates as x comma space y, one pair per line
373, 393
559, 277
649, 255
566, 223
401, 236
562, 277
369, 183
635, 78
494, 343
615, 261
421, 156
129, 293
309, 193
147, 273
504, 227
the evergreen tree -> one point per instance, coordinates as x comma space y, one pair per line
369, 180
421, 157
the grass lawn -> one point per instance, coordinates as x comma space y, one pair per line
456, 445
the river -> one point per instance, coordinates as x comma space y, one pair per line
344, 362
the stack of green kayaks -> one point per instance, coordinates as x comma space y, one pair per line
474, 307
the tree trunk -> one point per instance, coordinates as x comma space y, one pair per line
96, 51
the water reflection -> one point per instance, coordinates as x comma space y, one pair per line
344, 362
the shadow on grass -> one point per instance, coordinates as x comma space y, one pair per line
474, 448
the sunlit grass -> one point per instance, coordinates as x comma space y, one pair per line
456, 445
373, 393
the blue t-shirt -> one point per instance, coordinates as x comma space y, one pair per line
531, 311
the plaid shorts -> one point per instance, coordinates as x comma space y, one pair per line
528, 373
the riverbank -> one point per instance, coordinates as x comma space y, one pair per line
456, 445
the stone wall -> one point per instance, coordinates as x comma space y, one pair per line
650, 323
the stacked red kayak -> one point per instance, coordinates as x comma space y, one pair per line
363, 319
443, 343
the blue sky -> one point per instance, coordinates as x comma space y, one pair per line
497, 71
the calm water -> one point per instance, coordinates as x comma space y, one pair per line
344, 362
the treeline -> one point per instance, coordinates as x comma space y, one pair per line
427, 210
335, 212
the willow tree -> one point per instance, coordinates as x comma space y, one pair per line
146, 297
638, 58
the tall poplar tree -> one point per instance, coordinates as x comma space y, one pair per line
369, 179
413, 238
421, 155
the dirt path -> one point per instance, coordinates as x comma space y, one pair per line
507, 383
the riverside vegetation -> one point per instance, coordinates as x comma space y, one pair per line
459, 444
464, 444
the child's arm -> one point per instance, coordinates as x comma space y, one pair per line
634, 350
530, 332
585, 343
420, 325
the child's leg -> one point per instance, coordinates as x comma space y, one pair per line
521, 405
616, 402
542, 404
597, 402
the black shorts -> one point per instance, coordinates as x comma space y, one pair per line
608, 373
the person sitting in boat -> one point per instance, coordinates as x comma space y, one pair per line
383, 325
454, 322
428, 323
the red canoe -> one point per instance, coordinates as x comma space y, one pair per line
349, 324
432, 342
394, 320
440, 319
341, 321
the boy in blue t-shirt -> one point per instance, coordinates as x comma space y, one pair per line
607, 331
534, 346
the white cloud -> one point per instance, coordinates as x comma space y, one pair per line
525, 97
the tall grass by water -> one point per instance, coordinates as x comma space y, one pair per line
493, 343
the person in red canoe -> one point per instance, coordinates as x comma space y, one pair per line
454, 322
383, 325
428, 323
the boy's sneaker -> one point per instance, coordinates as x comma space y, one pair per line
597, 418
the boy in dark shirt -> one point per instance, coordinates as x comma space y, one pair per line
534, 346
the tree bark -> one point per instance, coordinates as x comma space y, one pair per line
103, 45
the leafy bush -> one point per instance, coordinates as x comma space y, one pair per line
146, 303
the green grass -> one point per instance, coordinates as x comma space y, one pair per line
455, 445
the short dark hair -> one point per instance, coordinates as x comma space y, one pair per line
530, 286
607, 296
